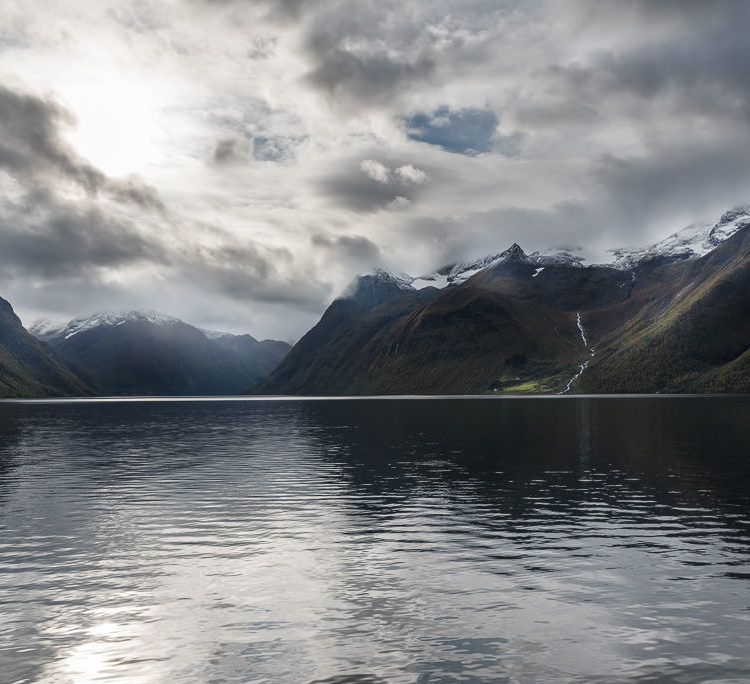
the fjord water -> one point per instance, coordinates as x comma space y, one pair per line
433, 540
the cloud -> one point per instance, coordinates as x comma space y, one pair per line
374, 185
363, 58
354, 248
275, 10
273, 148
410, 174
251, 273
44, 237
230, 151
404, 175
33, 149
380, 173
363, 78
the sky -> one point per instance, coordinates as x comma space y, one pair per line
235, 163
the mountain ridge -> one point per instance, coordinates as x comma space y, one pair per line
29, 367
515, 323
148, 353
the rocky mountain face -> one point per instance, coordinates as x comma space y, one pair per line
144, 353
28, 367
673, 317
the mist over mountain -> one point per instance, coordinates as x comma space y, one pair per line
145, 353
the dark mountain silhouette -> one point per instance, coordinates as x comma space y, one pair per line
28, 367
141, 353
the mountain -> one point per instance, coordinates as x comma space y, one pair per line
672, 317
145, 353
686, 328
690, 243
28, 367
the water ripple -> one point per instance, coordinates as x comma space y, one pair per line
577, 540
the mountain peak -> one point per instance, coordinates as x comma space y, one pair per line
692, 242
47, 330
514, 254
401, 280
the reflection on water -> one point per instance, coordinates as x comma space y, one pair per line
400, 540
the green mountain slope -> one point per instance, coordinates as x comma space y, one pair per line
471, 338
28, 367
693, 336
671, 324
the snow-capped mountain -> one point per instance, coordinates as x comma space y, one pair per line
402, 280
46, 330
692, 242
515, 322
145, 352
463, 270
455, 274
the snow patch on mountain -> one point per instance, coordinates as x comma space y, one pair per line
692, 242
215, 334
97, 320
437, 280
462, 271
44, 327
402, 280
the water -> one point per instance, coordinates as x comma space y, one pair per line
523, 540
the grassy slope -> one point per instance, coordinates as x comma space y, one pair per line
456, 341
29, 368
691, 338
466, 341
679, 327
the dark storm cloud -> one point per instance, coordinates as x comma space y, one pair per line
30, 140
702, 179
698, 13
364, 78
362, 57
50, 240
134, 191
32, 148
683, 58
46, 238
698, 82
354, 248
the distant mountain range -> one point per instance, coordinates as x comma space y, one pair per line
672, 317
145, 353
